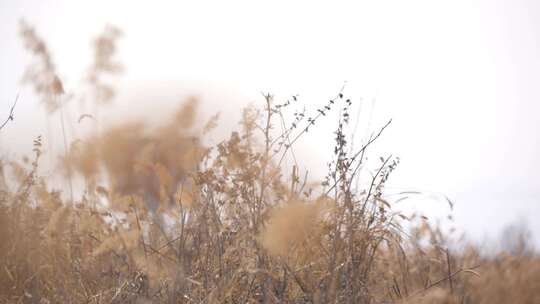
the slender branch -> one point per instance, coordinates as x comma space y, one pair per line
449, 271
360, 152
304, 130
66, 151
11, 116
449, 276
373, 184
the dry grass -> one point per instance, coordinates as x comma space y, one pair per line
165, 219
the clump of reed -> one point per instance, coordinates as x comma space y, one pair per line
163, 218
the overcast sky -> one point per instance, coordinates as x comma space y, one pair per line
459, 78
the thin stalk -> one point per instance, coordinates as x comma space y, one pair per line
66, 152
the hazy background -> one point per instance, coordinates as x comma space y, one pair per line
459, 78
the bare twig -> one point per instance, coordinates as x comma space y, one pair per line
449, 271
451, 275
11, 115
360, 152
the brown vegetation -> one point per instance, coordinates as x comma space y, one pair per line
165, 219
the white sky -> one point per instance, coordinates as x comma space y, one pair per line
459, 78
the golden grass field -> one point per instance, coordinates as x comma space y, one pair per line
165, 218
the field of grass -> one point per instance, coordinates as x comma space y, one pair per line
165, 218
